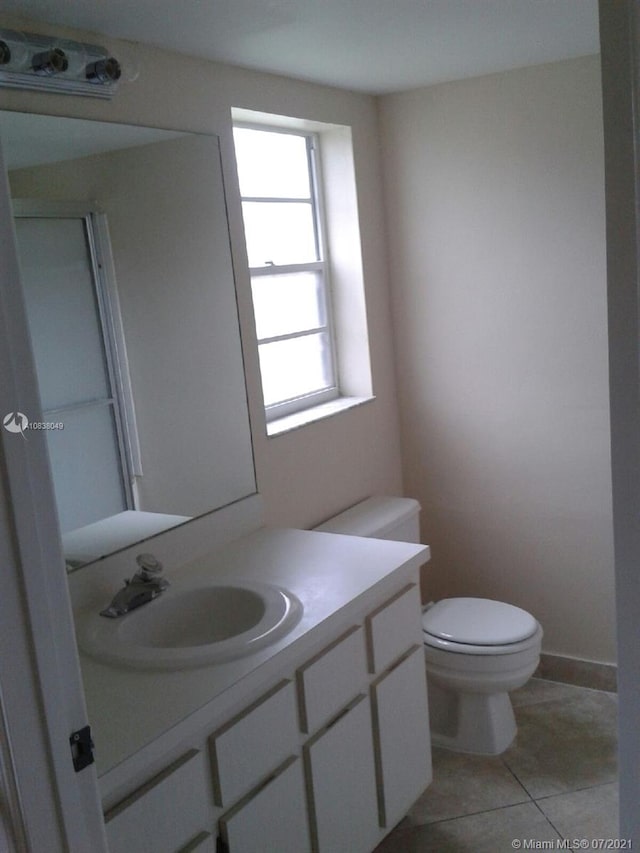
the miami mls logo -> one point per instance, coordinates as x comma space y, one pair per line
16, 422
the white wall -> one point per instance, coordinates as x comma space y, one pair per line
495, 216
307, 475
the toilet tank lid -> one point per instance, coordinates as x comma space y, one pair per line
371, 517
478, 622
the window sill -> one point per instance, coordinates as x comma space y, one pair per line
317, 413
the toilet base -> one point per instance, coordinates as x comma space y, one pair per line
478, 723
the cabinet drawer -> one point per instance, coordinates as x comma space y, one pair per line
166, 814
252, 745
331, 679
393, 628
274, 819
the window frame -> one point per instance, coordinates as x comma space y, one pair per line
321, 266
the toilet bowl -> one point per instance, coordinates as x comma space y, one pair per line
476, 650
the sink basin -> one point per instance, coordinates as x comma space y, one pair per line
194, 626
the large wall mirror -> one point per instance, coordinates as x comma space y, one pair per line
126, 268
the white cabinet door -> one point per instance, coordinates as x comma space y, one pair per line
403, 747
242, 756
274, 820
341, 775
166, 814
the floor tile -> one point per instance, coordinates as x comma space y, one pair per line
565, 745
591, 813
489, 832
463, 785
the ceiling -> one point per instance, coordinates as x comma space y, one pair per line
367, 45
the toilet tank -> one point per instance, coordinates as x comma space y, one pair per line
378, 518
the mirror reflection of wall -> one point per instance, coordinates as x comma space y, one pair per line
154, 407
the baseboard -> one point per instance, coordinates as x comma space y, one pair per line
583, 673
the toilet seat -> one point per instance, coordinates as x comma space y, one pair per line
479, 626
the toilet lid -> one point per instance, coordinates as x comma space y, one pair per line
478, 621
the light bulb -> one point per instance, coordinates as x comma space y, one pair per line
50, 62
105, 70
13, 51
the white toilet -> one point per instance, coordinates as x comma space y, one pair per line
476, 650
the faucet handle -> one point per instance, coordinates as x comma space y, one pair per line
149, 565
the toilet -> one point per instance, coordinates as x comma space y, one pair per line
476, 650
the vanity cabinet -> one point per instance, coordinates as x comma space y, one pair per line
327, 760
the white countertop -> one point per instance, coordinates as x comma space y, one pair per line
130, 709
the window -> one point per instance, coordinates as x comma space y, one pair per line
278, 171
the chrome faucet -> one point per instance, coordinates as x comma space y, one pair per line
143, 587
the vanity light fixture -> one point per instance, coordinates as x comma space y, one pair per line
46, 63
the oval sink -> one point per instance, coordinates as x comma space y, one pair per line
193, 626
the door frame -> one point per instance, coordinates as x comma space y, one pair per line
620, 52
41, 693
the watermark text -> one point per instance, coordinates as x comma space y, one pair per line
573, 844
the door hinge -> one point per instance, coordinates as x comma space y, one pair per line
81, 744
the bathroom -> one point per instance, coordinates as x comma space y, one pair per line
509, 458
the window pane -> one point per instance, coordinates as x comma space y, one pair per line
294, 367
288, 303
271, 165
279, 233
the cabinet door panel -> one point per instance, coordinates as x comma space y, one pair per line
403, 744
341, 774
165, 814
272, 821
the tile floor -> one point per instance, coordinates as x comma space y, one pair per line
557, 780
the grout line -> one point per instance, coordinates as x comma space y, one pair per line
513, 773
575, 790
548, 820
472, 814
